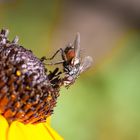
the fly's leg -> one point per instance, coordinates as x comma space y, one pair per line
54, 63
51, 58
60, 50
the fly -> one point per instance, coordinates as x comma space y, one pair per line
73, 64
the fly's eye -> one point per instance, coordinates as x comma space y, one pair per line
70, 54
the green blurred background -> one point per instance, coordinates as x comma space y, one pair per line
104, 102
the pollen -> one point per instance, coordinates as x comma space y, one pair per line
49, 97
27, 87
18, 73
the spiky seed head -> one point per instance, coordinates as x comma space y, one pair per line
26, 93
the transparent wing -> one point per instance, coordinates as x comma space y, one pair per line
87, 62
77, 46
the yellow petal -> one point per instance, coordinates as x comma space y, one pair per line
39, 131
19, 131
48, 120
3, 128
16, 131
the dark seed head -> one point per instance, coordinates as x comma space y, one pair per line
27, 93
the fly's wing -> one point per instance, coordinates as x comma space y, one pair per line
87, 62
77, 46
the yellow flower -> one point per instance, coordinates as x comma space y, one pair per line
27, 97
19, 131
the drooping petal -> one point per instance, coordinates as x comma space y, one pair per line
53, 133
3, 128
17, 131
48, 120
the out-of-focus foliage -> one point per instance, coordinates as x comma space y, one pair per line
33, 21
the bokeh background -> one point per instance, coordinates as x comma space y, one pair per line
104, 103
